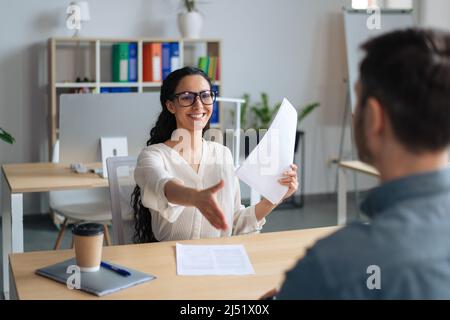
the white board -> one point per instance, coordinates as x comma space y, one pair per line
357, 32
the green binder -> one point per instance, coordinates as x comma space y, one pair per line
120, 62
203, 64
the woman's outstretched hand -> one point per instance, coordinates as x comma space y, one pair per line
205, 201
290, 180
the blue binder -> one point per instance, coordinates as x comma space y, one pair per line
174, 56
165, 59
132, 62
215, 119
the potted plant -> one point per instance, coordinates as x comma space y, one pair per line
260, 115
190, 20
263, 112
5, 136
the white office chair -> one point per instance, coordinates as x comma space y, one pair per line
121, 186
76, 206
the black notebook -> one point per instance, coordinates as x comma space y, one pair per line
100, 283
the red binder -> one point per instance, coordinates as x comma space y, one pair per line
152, 71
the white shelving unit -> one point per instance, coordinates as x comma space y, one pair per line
90, 58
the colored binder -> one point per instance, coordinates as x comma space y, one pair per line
217, 69
165, 47
115, 90
174, 56
212, 68
132, 62
120, 62
215, 117
203, 64
152, 62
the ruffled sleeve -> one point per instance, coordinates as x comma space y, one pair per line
151, 176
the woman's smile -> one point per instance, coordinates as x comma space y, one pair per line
197, 116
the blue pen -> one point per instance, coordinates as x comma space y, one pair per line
122, 272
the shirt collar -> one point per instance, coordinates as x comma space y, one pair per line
405, 188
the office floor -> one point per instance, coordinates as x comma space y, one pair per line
318, 211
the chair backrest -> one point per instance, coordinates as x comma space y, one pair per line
121, 186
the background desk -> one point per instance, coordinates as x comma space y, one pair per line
271, 254
343, 167
34, 177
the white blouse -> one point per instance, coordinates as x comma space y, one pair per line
157, 164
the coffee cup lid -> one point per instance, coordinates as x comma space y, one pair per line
87, 229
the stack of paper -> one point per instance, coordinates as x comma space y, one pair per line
272, 156
197, 260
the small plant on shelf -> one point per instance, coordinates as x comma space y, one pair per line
190, 20
189, 5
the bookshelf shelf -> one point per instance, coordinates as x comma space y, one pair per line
119, 84
151, 84
75, 85
86, 65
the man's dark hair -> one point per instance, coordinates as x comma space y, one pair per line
408, 72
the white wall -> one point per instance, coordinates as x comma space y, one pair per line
292, 48
435, 14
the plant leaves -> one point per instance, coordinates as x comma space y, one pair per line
307, 110
5, 136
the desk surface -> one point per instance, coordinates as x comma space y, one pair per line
271, 254
42, 177
360, 166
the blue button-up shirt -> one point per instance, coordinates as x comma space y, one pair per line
403, 253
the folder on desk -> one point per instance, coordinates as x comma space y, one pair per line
99, 283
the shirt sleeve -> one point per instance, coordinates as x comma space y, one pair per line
151, 176
244, 219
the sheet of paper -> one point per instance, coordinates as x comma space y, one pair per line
272, 156
198, 260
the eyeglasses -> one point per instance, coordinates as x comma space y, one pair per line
187, 99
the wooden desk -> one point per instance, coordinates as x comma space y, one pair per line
343, 167
34, 177
271, 254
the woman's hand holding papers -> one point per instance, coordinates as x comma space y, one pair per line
290, 180
264, 207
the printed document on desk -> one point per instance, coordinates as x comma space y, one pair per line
199, 260
272, 156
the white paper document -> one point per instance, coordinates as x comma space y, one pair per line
199, 260
272, 156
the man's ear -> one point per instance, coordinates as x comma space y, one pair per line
375, 117
170, 106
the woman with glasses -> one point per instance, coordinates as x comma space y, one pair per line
186, 186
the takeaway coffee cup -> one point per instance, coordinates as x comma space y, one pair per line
88, 241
